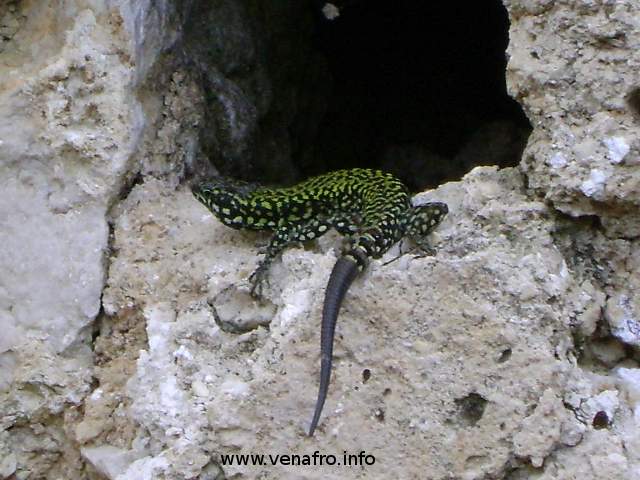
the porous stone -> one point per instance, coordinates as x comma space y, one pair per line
500, 357
174, 259
572, 67
69, 122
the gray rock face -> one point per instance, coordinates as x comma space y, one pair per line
138, 352
571, 67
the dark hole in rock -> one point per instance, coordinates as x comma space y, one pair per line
366, 375
413, 87
418, 88
505, 355
633, 99
471, 408
600, 420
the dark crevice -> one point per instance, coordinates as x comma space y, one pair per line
504, 356
633, 99
127, 186
471, 408
601, 420
418, 88
412, 87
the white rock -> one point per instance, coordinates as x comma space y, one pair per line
558, 160
595, 184
618, 148
110, 461
199, 389
630, 381
621, 314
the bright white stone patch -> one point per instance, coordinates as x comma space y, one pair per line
630, 380
618, 148
182, 352
558, 160
595, 183
146, 468
199, 389
96, 394
51, 272
621, 317
234, 388
330, 11
296, 303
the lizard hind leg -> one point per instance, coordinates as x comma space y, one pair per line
423, 220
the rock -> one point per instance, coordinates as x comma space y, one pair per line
621, 312
8, 465
573, 79
130, 347
69, 124
630, 380
110, 461
608, 351
541, 431
599, 410
174, 259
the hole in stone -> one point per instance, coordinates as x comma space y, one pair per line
413, 87
633, 99
418, 88
471, 408
600, 420
366, 375
504, 356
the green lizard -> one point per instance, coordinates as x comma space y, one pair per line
372, 208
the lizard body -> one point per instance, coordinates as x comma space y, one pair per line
372, 208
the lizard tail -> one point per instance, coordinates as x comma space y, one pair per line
343, 273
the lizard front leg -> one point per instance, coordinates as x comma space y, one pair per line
284, 236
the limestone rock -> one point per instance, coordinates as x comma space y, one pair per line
571, 66
138, 353
405, 324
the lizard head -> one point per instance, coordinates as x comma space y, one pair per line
423, 219
224, 197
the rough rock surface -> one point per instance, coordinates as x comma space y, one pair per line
513, 353
572, 67
462, 364
68, 124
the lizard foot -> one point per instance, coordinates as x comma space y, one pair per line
425, 249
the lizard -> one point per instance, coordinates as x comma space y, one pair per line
371, 208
